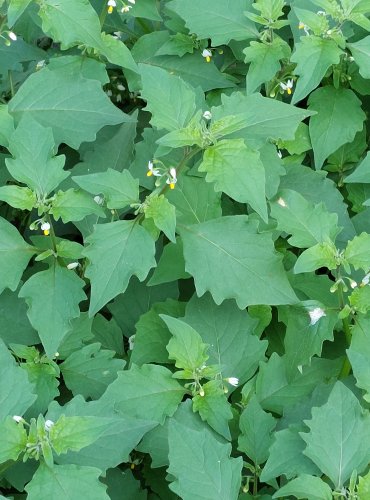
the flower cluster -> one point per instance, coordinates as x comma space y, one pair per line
112, 4
159, 172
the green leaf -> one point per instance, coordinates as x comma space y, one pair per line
170, 100
115, 444
152, 334
16, 9
339, 117
286, 457
127, 308
15, 254
357, 252
171, 265
90, 370
230, 334
256, 427
361, 173
148, 390
7, 125
237, 171
122, 485
34, 162
195, 200
48, 310
74, 433
192, 68
186, 346
305, 337
13, 311
13, 440
118, 188
316, 188
163, 214
116, 251
221, 21
313, 55
16, 392
18, 197
112, 148
264, 59
363, 488
320, 255
260, 118
360, 299
66, 481
44, 376
361, 53
76, 108
244, 264
214, 408
201, 465
75, 22
108, 334
300, 143
306, 486
359, 354
276, 382
74, 205
308, 224
338, 441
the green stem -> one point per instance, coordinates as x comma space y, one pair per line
52, 234
144, 25
103, 14
346, 367
11, 83
255, 482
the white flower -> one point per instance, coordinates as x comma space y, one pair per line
120, 87
172, 179
118, 98
98, 199
281, 202
316, 314
321, 13
72, 265
232, 381
17, 418
287, 86
12, 36
117, 34
352, 284
365, 280
131, 342
45, 226
109, 93
152, 171
132, 1
201, 392
126, 8
48, 425
111, 4
207, 54
329, 32
40, 64
303, 27
279, 153
207, 115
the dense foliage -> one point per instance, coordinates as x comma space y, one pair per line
184, 249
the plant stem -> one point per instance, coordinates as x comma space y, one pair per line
346, 367
52, 234
103, 14
11, 83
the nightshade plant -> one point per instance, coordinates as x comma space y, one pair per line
184, 249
